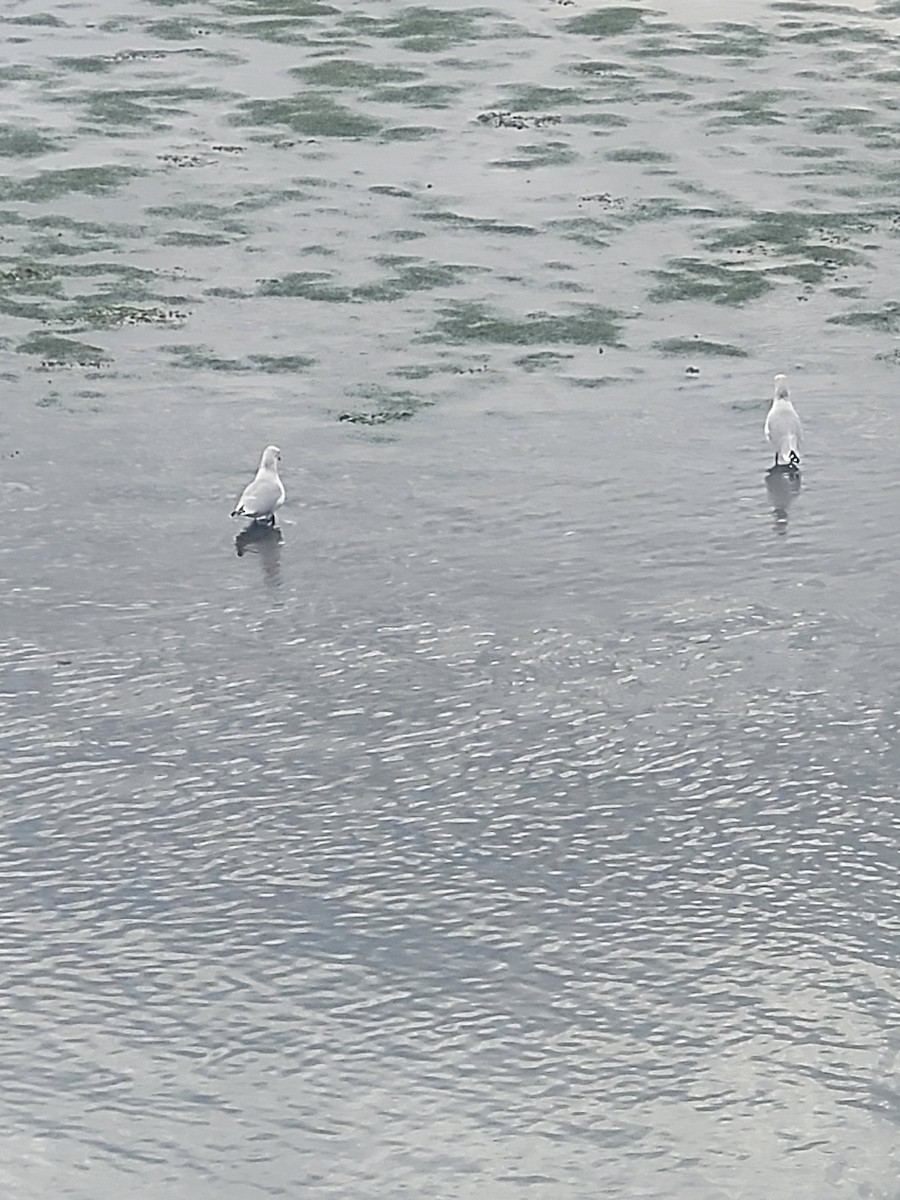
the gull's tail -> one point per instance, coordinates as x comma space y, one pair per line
788, 451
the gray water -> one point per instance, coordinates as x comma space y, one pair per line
520, 818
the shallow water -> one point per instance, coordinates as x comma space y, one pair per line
519, 817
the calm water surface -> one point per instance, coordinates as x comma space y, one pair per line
519, 819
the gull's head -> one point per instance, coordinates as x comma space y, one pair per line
271, 458
781, 387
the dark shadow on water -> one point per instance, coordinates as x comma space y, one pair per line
264, 541
783, 485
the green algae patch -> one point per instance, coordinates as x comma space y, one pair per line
607, 22
586, 325
200, 358
55, 351
311, 114
694, 279
52, 185
699, 347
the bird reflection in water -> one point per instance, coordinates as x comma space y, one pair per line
783, 486
264, 541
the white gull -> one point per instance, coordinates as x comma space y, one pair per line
265, 492
783, 428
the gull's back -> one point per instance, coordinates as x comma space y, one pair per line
261, 497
